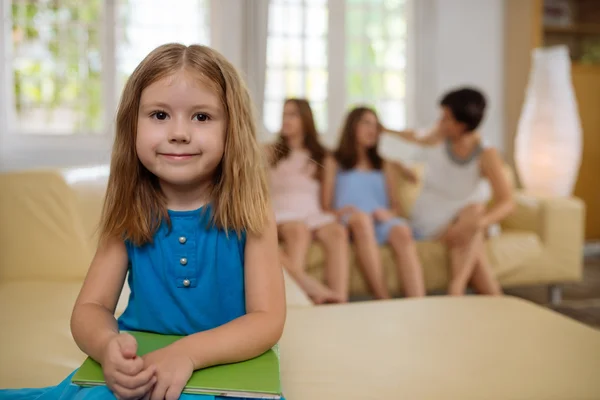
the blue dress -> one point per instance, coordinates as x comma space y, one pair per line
190, 279
367, 191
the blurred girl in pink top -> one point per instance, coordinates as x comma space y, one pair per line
297, 160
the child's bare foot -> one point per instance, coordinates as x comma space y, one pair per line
319, 293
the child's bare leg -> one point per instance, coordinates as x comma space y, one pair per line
483, 279
296, 240
407, 260
367, 250
334, 238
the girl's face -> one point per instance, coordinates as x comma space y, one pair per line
367, 131
181, 130
292, 122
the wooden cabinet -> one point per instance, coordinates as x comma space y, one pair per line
534, 23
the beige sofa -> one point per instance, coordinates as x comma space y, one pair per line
540, 243
438, 347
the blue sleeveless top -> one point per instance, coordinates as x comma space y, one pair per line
365, 190
189, 279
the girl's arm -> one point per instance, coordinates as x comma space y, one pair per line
328, 183
492, 168
391, 181
269, 150
93, 323
260, 329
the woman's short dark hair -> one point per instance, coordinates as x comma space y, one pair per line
467, 106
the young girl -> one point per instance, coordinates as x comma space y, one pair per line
296, 177
451, 206
187, 215
361, 187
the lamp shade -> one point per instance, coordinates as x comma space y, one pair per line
548, 143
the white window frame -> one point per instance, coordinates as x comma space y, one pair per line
337, 71
22, 148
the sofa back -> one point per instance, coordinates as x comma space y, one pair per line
42, 236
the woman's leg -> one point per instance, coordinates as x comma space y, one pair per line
334, 238
407, 260
483, 279
463, 259
296, 241
468, 260
363, 235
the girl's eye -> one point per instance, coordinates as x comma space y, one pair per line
201, 117
160, 115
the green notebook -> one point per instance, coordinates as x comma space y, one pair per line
257, 378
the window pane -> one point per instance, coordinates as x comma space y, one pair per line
355, 22
356, 86
273, 111
393, 113
395, 87
56, 66
316, 21
143, 29
376, 58
277, 16
316, 52
294, 83
293, 52
296, 58
316, 84
275, 52
320, 113
294, 19
274, 84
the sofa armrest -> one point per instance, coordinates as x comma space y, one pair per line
559, 223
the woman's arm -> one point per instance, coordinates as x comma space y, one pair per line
431, 139
260, 329
93, 323
492, 168
328, 183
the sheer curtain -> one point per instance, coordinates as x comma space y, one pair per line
239, 32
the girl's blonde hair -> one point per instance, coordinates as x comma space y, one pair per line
135, 206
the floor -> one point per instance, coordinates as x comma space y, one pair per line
581, 301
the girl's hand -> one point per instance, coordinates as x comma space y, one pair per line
382, 215
346, 210
173, 370
124, 371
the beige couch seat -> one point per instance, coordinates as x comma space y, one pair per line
438, 348
541, 242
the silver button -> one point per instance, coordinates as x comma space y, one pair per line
182, 239
186, 282
183, 261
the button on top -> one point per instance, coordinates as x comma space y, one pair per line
182, 239
183, 261
186, 282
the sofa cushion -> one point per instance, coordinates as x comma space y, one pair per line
41, 234
472, 347
35, 339
507, 252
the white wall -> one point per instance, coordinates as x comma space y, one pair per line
466, 47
